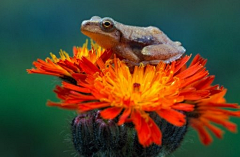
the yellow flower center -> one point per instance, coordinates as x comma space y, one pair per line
147, 88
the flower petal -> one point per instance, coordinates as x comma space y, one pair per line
183, 107
204, 136
91, 106
172, 116
142, 128
111, 113
124, 116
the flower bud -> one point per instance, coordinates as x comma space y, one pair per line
94, 136
83, 134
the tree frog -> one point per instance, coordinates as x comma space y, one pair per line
147, 45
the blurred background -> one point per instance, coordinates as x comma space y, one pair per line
31, 29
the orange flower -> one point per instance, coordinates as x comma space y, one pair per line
164, 89
174, 91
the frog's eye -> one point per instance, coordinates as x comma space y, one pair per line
107, 25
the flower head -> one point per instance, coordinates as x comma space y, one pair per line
175, 92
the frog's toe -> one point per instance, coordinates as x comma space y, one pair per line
130, 63
145, 51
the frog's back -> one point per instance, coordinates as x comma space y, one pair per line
142, 35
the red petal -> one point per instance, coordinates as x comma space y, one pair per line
144, 133
124, 116
106, 55
229, 125
217, 132
79, 76
228, 105
103, 58
142, 128
111, 113
182, 62
91, 106
88, 66
202, 132
195, 95
190, 71
136, 119
183, 107
156, 134
75, 51
75, 88
68, 66
100, 63
75, 97
205, 82
147, 131
195, 77
172, 116
198, 59
63, 105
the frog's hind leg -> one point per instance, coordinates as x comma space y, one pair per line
153, 54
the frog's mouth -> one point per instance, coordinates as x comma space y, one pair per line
104, 40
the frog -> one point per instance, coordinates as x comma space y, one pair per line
134, 44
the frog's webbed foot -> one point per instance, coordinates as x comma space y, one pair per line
132, 64
153, 54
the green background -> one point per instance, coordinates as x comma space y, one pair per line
30, 29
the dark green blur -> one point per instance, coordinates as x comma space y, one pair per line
30, 29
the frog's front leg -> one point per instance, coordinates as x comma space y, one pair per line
153, 54
129, 57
